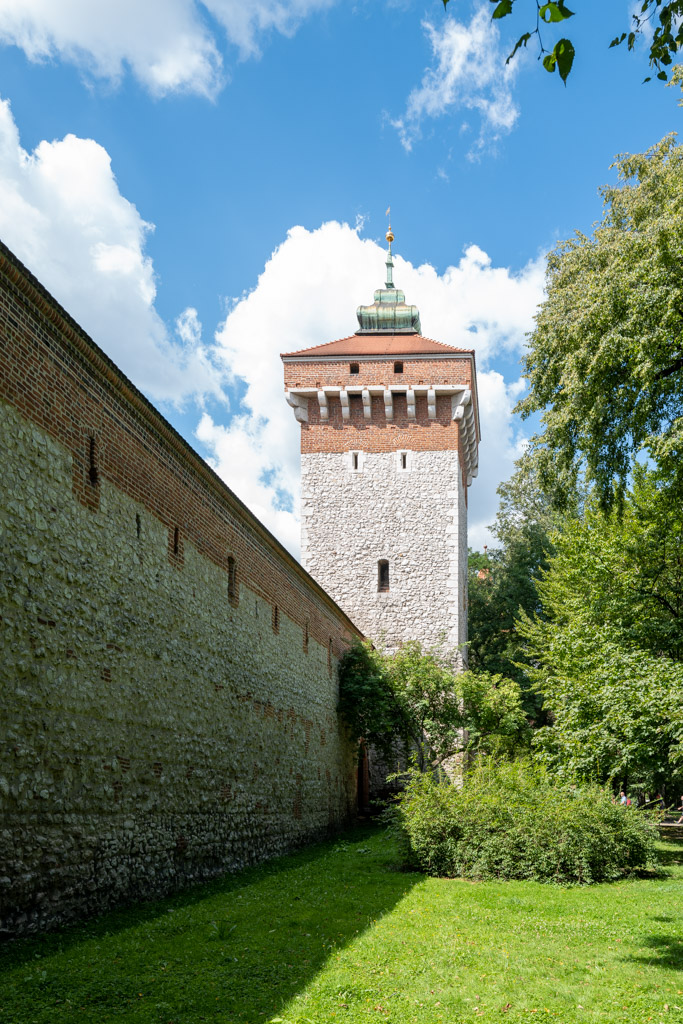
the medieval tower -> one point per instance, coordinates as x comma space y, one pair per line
389, 446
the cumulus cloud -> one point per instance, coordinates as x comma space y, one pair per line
167, 44
64, 217
469, 73
306, 295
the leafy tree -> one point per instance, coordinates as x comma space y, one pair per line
607, 652
665, 41
366, 701
503, 581
617, 714
624, 573
605, 359
416, 696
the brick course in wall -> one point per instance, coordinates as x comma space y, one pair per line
168, 677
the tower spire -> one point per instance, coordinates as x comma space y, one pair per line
389, 313
390, 260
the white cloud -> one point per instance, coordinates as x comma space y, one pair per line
166, 44
307, 295
64, 217
469, 73
246, 22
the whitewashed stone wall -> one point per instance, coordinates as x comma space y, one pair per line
416, 518
152, 734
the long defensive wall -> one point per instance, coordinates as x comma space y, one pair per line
168, 685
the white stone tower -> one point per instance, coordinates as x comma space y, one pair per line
389, 446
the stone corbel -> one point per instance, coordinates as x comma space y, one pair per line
459, 403
463, 412
345, 408
300, 406
431, 403
324, 408
388, 404
410, 399
367, 404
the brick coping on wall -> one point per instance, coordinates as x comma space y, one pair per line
22, 278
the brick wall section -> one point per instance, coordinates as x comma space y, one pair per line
377, 434
157, 728
311, 373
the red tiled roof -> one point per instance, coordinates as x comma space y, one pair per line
379, 345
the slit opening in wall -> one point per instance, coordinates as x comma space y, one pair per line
93, 475
276, 619
232, 580
383, 576
176, 540
306, 636
354, 460
138, 525
403, 460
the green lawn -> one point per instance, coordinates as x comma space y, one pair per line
336, 933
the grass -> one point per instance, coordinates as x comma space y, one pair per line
336, 933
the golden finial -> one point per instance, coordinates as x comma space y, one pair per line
390, 234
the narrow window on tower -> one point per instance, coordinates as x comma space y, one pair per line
354, 368
403, 460
176, 541
383, 576
354, 460
398, 367
276, 619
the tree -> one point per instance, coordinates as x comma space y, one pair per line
605, 359
622, 572
503, 581
665, 41
617, 714
416, 696
607, 653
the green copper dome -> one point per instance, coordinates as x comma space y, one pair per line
389, 313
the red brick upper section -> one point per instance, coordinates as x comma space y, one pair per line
376, 434
314, 373
379, 362
377, 344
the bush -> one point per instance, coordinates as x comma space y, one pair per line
513, 820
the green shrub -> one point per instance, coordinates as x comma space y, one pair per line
513, 820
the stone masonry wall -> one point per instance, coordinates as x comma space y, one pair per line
167, 671
415, 518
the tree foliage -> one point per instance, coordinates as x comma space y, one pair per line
416, 696
661, 20
503, 581
617, 714
608, 649
622, 572
605, 359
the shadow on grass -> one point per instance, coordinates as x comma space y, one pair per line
233, 950
670, 853
667, 952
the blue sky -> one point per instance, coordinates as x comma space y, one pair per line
203, 186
